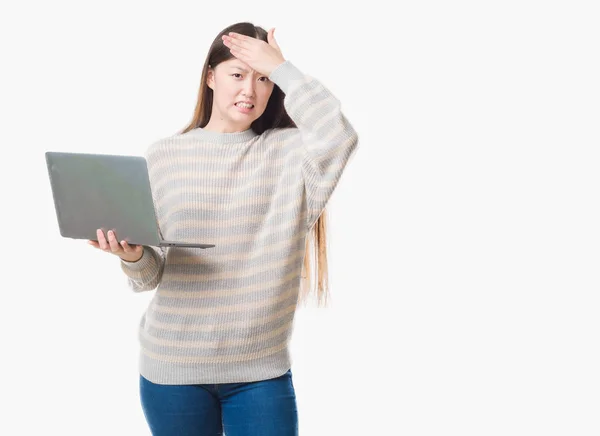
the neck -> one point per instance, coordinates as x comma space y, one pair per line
215, 124
223, 137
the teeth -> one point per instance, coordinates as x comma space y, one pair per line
245, 105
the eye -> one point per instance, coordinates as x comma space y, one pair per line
266, 79
237, 75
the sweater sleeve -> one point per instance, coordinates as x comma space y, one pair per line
146, 273
328, 139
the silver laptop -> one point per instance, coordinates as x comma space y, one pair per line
102, 191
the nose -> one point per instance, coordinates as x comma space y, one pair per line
248, 90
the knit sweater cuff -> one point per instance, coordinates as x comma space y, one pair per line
285, 74
142, 263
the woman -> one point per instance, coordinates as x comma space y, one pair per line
252, 174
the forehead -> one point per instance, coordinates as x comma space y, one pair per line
235, 64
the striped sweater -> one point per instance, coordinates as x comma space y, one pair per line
225, 314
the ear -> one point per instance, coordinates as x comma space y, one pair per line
210, 78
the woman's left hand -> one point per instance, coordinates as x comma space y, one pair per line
261, 56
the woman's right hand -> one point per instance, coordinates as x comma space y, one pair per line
110, 244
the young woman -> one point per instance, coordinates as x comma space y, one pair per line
252, 174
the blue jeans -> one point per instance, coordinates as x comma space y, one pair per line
265, 408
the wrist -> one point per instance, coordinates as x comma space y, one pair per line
274, 67
133, 258
286, 75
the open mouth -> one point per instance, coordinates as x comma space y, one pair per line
244, 105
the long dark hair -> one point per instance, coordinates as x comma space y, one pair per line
274, 116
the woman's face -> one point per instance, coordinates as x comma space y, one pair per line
240, 95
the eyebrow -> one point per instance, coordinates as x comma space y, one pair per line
239, 68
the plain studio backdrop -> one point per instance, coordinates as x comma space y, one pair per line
464, 236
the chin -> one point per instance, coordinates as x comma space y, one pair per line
243, 119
